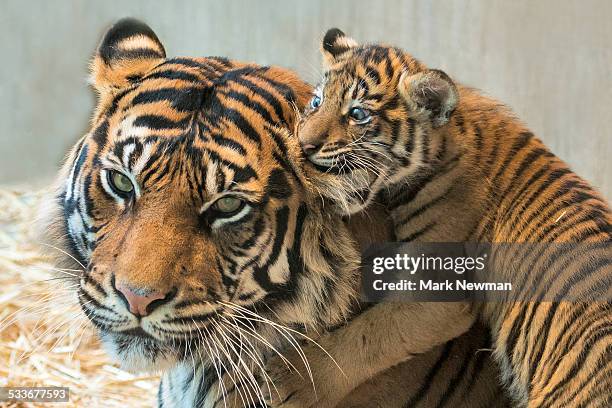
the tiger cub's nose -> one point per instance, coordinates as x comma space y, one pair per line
141, 302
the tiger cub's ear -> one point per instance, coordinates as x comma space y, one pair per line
334, 44
128, 50
431, 94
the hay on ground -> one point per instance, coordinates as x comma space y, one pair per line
45, 340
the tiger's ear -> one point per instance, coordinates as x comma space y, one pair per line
431, 94
334, 44
128, 50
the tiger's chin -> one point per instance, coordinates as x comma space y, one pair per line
137, 354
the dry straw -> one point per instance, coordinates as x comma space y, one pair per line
44, 338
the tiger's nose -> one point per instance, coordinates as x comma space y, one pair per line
141, 302
310, 148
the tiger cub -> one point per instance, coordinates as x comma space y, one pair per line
448, 164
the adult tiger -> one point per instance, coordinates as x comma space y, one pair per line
449, 164
203, 248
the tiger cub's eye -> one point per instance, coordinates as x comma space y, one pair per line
359, 115
228, 204
120, 182
315, 102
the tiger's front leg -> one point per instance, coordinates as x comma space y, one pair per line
376, 340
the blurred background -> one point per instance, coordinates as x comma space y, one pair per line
549, 60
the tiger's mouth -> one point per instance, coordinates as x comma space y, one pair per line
138, 351
147, 343
143, 348
160, 341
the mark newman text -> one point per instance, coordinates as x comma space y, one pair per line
430, 285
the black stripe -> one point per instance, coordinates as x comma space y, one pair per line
373, 75
100, 134
428, 382
137, 53
476, 377
181, 99
260, 273
577, 332
492, 157
278, 186
173, 74
601, 389
410, 142
479, 143
425, 145
159, 122
407, 193
577, 277
188, 62
459, 375
115, 103
87, 279
229, 143
516, 330
223, 61
249, 103
526, 163
419, 211
288, 291
523, 140
160, 401
603, 333
90, 300
235, 117
526, 201
241, 174
441, 153
151, 167
555, 204
459, 122
264, 94
389, 68
419, 233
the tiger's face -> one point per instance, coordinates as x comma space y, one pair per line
186, 207
372, 119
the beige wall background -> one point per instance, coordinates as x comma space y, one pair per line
550, 60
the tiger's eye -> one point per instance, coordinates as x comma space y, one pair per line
228, 204
121, 183
359, 115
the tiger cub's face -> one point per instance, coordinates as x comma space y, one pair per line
186, 208
372, 119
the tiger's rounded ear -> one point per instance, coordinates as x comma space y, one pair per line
128, 50
430, 93
334, 44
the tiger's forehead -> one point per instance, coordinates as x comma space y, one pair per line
162, 102
381, 64
195, 160
190, 124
